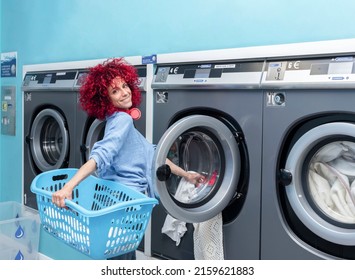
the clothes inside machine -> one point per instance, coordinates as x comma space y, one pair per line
308, 209
49, 125
207, 118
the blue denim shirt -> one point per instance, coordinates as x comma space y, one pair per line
124, 155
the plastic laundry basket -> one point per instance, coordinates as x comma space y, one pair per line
103, 220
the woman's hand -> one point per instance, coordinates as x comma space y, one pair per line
59, 196
191, 177
195, 178
66, 192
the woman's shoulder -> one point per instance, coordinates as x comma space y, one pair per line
120, 116
119, 119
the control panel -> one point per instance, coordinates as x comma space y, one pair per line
48, 80
233, 74
141, 71
82, 74
60, 80
67, 80
310, 73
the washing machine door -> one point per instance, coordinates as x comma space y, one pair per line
200, 144
49, 140
95, 133
321, 169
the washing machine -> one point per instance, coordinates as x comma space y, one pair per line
308, 158
207, 118
49, 108
90, 129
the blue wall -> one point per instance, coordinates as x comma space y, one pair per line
43, 31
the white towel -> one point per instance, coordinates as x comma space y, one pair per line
172, 227
332, 192
208, 235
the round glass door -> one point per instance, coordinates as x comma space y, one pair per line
204, 145
322, 191
49, 141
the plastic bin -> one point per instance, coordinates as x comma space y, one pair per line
19, 232
104, 219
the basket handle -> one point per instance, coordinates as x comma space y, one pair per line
76, 207
56, 175
141, 201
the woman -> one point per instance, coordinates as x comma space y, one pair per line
109, 92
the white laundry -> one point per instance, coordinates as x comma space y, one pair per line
344, 166
208, 239
207, 236
329, 152
320, 189
331, 180
172, 227
338, 193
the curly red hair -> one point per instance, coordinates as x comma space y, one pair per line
94, 91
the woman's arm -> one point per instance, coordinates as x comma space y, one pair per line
66, 192
193, 178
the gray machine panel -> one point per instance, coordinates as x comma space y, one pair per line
141, 70
58, 80
320, 73
209, 75
66, 79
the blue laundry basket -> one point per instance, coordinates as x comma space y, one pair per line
104, 219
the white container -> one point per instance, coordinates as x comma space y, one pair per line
19, 232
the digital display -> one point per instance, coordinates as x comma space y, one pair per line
202, 73
340, 68
47, 79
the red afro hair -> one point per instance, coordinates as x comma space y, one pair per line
94, 98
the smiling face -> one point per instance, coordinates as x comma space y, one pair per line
120, 94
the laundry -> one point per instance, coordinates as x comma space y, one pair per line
329, 152
172, 227
338, 194
207, 236
320, 189
332, 183
344, 166
208, 239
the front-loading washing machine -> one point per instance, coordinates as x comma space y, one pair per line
49, 125
207, 118
308, 158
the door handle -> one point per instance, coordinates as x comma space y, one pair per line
285, 177
163, 172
